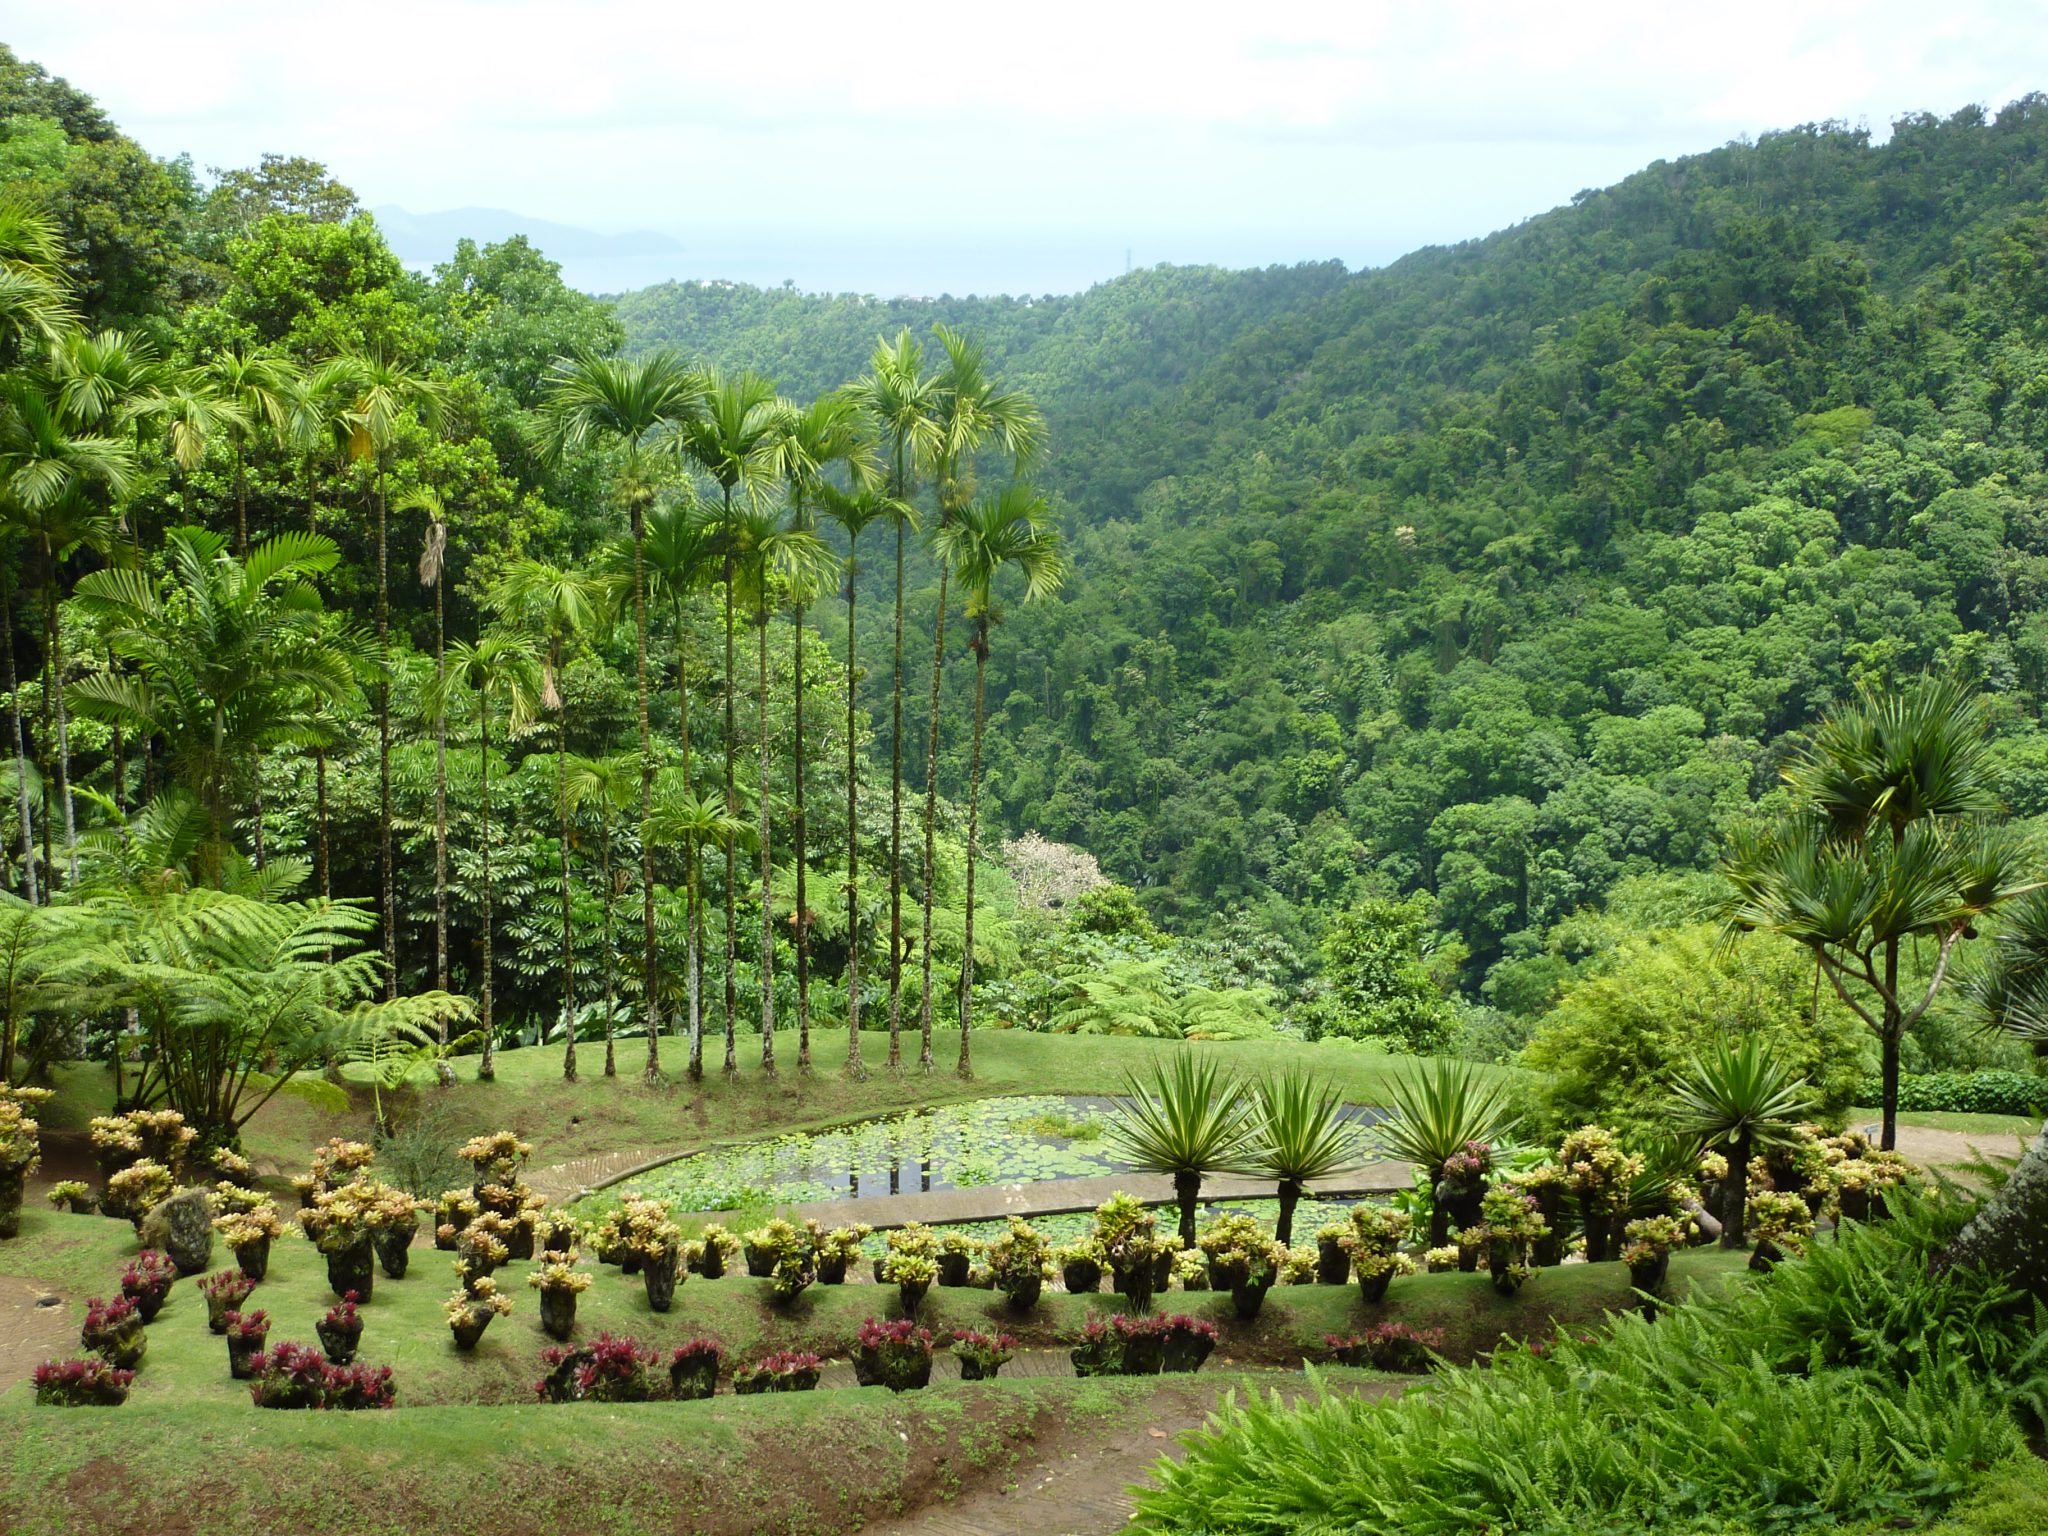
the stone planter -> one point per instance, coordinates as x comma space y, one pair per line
693, 1379
1144, 1354
910, 1295
1185, 1351
1548, 1250
12, 1181
1766, 1256
469, 1328
1135, 1283
339, 1340
1599, 1238
353, 1269
974, 1370
1649, 1274
953, 1268
1333, 1264
832, 1271
253, 1259
1081, 1276
1246, 1299
394, 1250
240, 1352
1024, 1294
1855, 1204
760, 1262
1372, 1289
659, 1277
123, 1348
519, 1241
906, 1369
711, 1265
557, 1314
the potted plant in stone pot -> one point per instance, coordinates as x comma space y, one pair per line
787, 1370
1191, 1269
982, 1355
343, 1223
135, 1190
224, 1294
1780, 1224
1647, 1250
609, 1369
246, 1332
1020, 1262
340, 1331
559, 1282
1511, 1224
1187, 1342
1333, 1262
453, 1211
693, 1370
957, 1255
87, 1383
249, 1234
478, 1252
471, 1309
1242, 1261
1127, 1233
837, 1249
1100, 1352
1548, 1186
289, 1376
393, 1234
1373, 1244
148, 1278
718, 1249
1599, 1173
912, 1274
1080, 1266
73, 1195
1144, 1343
897, 1355
113, 1330
661, 1264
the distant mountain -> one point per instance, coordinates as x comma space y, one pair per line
595, 262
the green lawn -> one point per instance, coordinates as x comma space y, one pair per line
2026, 1127
596, 1115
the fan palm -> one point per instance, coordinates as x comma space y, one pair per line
633, 403
854, 511
608, 785
1299, 1135
733, 440
497, 667
973, 413
1738, 1097
562, 607
1187, 1121
1433, 1112
902, 397
678, 555
985, 540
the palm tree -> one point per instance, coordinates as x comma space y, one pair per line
1299, 1135
263, 389
1187, 1122
610, 785
1736, 1096
678, 555
1434, 1113
563, 607
631, 402
433, 570
902, 397
1891, 840
497, 666
1005, 532
973, 412
853, 512
34, 298
681, 815
11, 682
825, 433
383, 395
733, 440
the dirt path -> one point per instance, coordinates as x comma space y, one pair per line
31, 1332
1081, 1484
1945, 1149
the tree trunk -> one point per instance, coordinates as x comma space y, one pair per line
732, 992
896, 810
1889, 1064
1187, 1189
611, 1062
803, 911
973, 833
1735, 1198
440, 800
487, 1068
20, 742
385, 865
767, 867
568, 927
650, 946
854, 1068
320, 818
2010, 1234
693, 947
931, 824
1290, 1197
53, 700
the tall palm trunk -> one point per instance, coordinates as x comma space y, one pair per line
896, 810
803, 911
854, 1068
320, 851
241, 507
20, 742
611, 985
568, 929
973, 833
931, 824
1894, 1030
440, 797
693, 927
651, 953
386, 866
487, 1068
732, 996
767, 865
58, 730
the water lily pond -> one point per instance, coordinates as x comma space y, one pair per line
1016, 1140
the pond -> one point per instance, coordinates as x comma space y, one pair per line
1021, 1139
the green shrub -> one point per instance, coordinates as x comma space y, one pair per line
1965, 1093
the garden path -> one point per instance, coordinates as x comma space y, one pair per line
30, 1332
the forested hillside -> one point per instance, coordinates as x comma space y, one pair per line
1507, 572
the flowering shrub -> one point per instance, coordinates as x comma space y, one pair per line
609, 1369
224, 1293
1511, 1223
300, 1376
1386, 1347
147, 1279
787, 1370
113, 1329
87, 1383
154, 1135
73, 1193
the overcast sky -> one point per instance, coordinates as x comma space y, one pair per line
928, 147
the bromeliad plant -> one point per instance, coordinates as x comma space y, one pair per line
224, 1294
1021, 1263
1138, 1260
159, 1136
720, 1248
1511, 1224
609, 1369
1647, 1251
559, 1282
87, 1383
249, 1234
1601, 1174
838, 1248
1080, 1266
113, 1330
897, 1355
471, 1309
787, 1370
299, 1376
981, 1356
693, 1370
147, 1280
1386, 1347
341, 1330
956, 1256
1242, 1261
246, 1333
135, 1190
1187, 1122
1373, 1242
344, 1223
1782, 1224
74, 1195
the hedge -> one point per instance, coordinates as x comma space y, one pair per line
1994, 1092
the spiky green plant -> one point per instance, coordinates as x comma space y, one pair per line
1434, 1111
1189, 1120
1741, 1099
1299, 1135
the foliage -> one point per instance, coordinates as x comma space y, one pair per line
1990, 1092
1439, 1108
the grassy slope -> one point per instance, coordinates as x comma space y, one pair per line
623, 1114
189, 1452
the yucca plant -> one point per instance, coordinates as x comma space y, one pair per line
1740, 1099
1299, 1135
1434, 1113
1188, 1121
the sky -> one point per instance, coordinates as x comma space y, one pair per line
925, 148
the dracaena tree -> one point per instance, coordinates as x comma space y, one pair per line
1894, 844
1736, 1097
